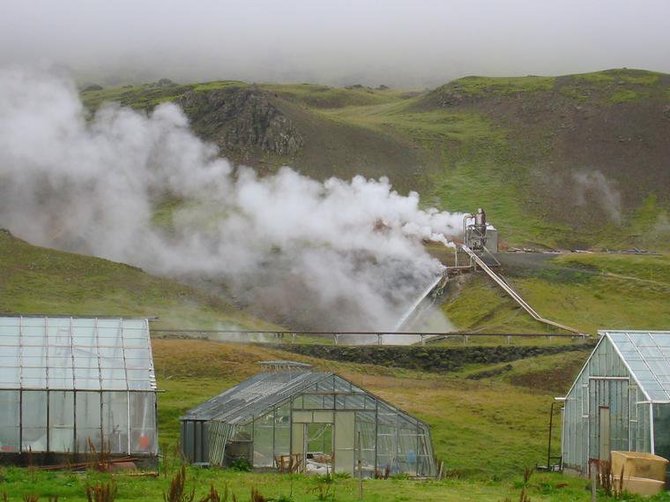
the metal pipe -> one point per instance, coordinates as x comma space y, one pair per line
508, 289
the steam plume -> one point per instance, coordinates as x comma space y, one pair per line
142, 189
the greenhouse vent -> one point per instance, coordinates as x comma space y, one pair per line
291, 418
71, 387
620, 400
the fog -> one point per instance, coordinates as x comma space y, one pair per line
339, 254
417, 43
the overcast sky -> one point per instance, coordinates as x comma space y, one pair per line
409, 43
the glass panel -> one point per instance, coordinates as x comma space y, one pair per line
9, 347
143, 422
263, 440
134, 341
138, 358
115, 421
34, 416
9, 421
662, 430
61, 421
282, 431
9, 375
110, 352
140, 375
88, 421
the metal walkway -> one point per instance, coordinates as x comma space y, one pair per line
508, 289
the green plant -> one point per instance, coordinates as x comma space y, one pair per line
241, 465
523, 495
103, 492
177, 491
213, 495
256, 495
325, 488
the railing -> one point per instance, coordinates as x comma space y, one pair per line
349, 337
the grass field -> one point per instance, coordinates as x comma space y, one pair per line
486, 431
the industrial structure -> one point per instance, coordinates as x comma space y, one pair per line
620, 400
74, 386
292, 418
479, 234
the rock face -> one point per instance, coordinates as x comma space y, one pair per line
242, 121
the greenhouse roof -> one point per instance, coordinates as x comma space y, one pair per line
260, 393
646, 354
70, 353
255, 395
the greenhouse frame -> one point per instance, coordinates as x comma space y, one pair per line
71, 387
620, 401
291, 418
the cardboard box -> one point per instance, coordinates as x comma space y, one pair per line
638, 486
637, 464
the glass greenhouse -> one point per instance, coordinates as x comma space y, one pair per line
620, 400
69, 386
291, 418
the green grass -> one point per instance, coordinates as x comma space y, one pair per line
219, 84
321, 96
582, 290
475, 162
140, 97
477, 86
635, 77
45, 281
486, 431
71, 486
625, 96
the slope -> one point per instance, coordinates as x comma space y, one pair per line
550, 158
587, 153
36, 280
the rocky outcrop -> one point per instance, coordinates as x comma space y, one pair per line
242, 121
427, 358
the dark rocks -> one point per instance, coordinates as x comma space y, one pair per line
241, 120
425, 358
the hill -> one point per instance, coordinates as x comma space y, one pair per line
36, 280
550, 158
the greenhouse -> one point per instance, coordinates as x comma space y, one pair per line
75, 386
620, 400
293, 419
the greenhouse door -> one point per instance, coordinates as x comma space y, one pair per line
314, 431
608, 417
312, 439
344, 441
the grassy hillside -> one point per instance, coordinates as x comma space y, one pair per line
36, 280
550, 158
587, 291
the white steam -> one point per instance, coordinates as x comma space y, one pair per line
144, 190
594, 186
